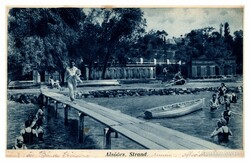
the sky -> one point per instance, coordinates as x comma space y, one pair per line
179, 21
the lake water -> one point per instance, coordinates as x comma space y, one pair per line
59, 136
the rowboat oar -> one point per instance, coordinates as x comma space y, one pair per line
172, 82
169, 84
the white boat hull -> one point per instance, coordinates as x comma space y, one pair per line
174, 110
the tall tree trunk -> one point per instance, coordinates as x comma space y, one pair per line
105, 64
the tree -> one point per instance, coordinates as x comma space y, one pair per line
238, 50
193, 45
227, 37
103, 32
226, 30
89, 46
216, 47
67, 32
42, 38
205, 42
151, 42
46, 38
119, 24
24, 41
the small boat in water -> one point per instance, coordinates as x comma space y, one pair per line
174, 110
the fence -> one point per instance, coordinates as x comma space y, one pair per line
128, 72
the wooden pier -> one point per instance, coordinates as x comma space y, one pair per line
147, 134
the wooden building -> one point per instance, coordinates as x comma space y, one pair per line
130, 71
208, 68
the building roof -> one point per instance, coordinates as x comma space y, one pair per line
204, 57
170, 41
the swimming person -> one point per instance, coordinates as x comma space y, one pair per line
39, 122
222, 132
222, 90
28, 133
226, 114
19, 144
214, 103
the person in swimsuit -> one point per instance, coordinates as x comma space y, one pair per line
19, 144
214, 103
226, 114
222, 132
222, 92
28, 133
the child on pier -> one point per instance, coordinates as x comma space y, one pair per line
54, 84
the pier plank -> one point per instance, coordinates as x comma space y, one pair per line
147, 134
170, 137
166, 142
113, 114
140, 139
185, 137
63, 99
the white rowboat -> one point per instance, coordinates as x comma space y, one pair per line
174, 110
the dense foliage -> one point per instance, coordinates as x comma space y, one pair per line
47, 38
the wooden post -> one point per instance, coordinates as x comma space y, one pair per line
81, 134
47, 101
116, 134
66, 108
107, 138
55, 108
47, 104
44, 100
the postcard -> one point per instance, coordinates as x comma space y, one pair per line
125, 82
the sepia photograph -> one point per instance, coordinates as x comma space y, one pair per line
125, 81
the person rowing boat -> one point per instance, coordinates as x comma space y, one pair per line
178, 79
